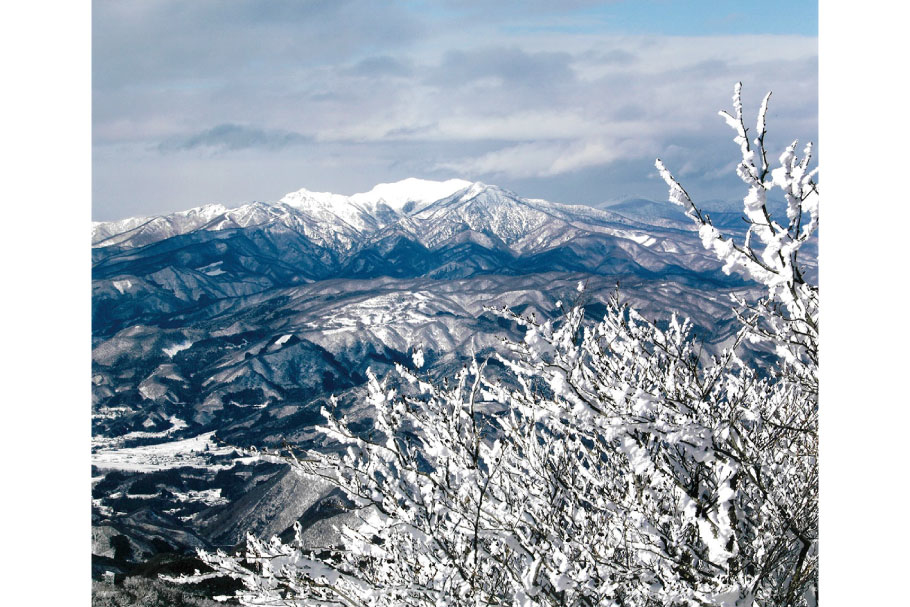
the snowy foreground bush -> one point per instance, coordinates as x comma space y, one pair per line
615, 468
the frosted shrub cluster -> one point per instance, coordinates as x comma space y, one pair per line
614, 468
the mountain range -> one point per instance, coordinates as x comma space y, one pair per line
217, 328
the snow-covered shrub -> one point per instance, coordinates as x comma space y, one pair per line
615, 468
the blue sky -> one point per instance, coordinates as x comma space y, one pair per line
207, 101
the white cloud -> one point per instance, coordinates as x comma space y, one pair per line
548, 159
374, 93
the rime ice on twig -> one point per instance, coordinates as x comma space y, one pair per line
774, 261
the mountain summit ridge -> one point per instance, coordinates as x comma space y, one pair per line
153, 269
336, 221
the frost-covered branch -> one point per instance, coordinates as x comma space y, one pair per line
774, 262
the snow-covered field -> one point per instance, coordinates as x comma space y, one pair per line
106, 443
196, 452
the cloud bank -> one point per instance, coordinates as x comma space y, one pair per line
229, 102
233, 137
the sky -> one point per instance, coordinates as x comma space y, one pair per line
211, 101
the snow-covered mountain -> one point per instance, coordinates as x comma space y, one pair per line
235, 325
164, 264
429, 212
319, 215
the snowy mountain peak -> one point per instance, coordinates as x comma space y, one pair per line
306, 198
477, 188
394, 195
420, 191
429, 212
370, 209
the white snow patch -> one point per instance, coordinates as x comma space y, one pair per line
392, 309
641, 238
122, 285
213, 269
283, 339
177, 424
171, 351
110, 412
195, 452
102, 509
420, 191
209, 497
418, 358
